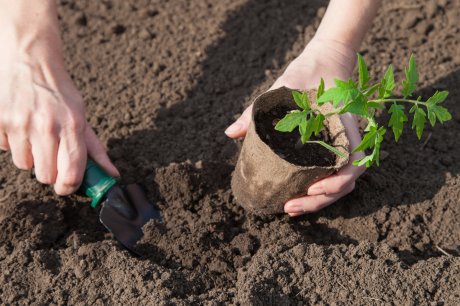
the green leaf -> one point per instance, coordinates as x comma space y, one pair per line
397, 119
388, 84
371, 123
306, 128
358, 106
419, 120
363, 73
372, 139
301, 99
438, 97
320, 89
371, 90
318, 124
375, 105
435, 111
366, 160
411, 80
439, 112
290, 121
329, 147
343, 92
368, 140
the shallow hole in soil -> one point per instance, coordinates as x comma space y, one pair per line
287, 145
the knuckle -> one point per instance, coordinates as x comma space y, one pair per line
62, 191
20, 123
47, 126
75, 123
71, 181
23, 165
45, 179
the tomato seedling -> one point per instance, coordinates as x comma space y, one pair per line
363, 99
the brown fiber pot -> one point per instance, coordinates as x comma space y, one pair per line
263, 181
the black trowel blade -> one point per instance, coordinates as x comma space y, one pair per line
125, 211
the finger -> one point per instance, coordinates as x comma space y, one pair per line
240, 126
337, 182
4, 142
44, 151
308, 204
71, 162
345, 176
98, 153
21, 151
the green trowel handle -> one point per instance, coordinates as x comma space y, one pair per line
96, 183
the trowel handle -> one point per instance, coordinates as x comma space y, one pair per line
96, 182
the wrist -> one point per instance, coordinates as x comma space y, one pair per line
29, 29
330, 53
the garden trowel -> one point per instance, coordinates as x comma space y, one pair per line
124, 210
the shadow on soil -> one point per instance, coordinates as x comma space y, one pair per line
258, 36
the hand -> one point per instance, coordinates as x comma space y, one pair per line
329, 60
42, 118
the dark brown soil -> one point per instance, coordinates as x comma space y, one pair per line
288, 145
162, 80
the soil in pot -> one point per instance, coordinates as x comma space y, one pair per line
288, 145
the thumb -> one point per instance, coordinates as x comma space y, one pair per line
98, 153
239, 127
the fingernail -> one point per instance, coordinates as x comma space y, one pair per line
293, 208
315, 190
232, 129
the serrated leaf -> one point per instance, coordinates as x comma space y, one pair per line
438, 97
301, 99
388, 84
363, 72
358, 105
306, 128
371, 140
318, 124
419, 121
411, 80
320, 89
437, 112
343, 92
368, 140
397, 119
290, 121
329, 147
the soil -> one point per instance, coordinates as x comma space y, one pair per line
162, 80
288, 145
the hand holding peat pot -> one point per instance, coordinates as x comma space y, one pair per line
273, 168
331, 54
42, 113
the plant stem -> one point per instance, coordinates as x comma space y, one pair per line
338, 110
397, 100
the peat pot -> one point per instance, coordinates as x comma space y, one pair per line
265, 179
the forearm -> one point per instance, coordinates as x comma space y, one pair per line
29, 27
347, 21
